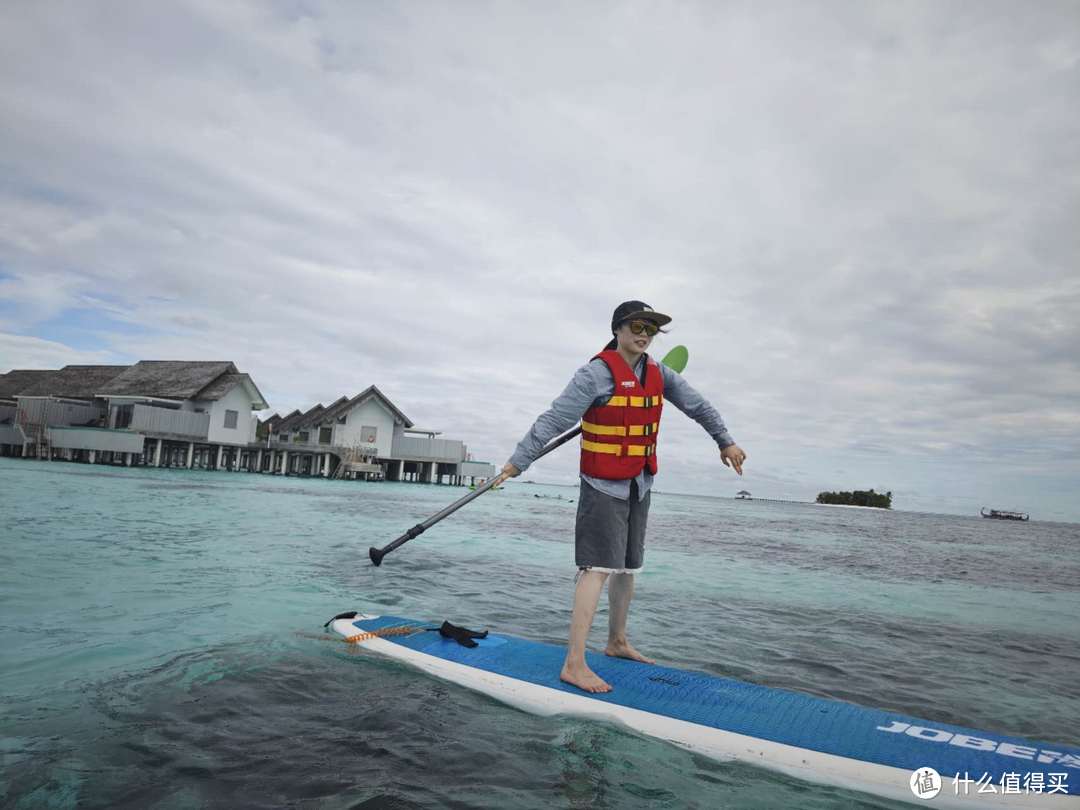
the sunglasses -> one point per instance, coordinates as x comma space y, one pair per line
650, 329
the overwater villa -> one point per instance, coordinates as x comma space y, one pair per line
201, 414
363, 436
155, 412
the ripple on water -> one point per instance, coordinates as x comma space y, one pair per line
179, 680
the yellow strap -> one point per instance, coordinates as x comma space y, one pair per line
599, 447
603, 430
616, 449
619, 430
634, 402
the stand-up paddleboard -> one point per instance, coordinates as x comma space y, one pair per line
823, 741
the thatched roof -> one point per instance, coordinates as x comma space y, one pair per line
12, 383
294, 419
167, 379
271, 421
285, 420
74, 382
373, 391
320, 415
324, 416
226, 383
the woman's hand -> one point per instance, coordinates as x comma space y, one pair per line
510, 471
733, 457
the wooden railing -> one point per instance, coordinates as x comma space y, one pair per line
49, 412
148, 419
410, 447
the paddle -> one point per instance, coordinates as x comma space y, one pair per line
675, 359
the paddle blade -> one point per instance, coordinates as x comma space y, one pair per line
676, 359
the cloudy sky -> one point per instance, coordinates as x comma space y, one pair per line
863, 218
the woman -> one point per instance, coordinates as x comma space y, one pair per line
618, 396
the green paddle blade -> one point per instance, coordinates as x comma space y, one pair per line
676, 358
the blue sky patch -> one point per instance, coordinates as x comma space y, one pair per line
87, 329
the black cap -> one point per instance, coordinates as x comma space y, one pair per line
633, 310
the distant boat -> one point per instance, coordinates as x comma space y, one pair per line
744, 495
1003, 514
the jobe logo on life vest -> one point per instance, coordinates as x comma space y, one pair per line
1027, 752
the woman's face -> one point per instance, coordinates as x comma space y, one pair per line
636, 344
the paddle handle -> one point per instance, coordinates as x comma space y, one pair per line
377, 554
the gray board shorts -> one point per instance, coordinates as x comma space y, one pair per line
609, 535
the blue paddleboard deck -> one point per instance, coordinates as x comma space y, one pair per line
857, 735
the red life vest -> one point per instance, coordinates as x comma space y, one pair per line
618, 439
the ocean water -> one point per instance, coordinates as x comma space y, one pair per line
161, 641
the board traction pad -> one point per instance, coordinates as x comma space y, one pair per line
790, 718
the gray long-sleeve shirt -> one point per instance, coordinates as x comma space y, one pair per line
593, 384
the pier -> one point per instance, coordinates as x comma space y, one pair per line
773, 500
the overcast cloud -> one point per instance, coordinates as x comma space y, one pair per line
863, 218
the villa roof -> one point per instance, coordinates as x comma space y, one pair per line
344, 404
294, 419
284, 420
321, 414
327, 414
163, 379
226, 383
167, 379
74, 382
373, 391
12, 383
308, 416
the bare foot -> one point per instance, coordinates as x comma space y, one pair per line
625, 650
583, 678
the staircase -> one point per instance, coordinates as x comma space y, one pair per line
339, 470
352, 459
37, 436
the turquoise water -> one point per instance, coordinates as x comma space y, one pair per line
160, 638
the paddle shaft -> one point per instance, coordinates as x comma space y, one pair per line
377, 554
